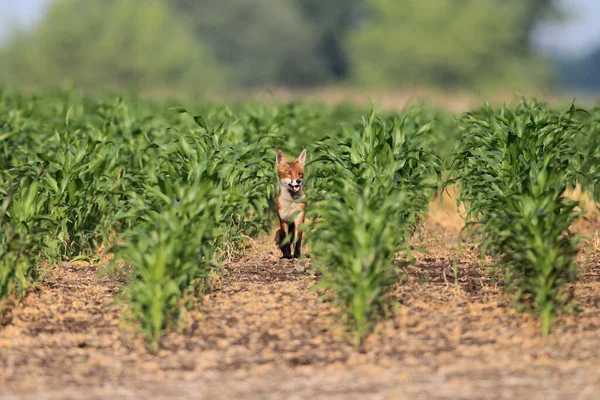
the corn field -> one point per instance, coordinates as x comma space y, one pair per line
175, 192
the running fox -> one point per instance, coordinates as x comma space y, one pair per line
290, 203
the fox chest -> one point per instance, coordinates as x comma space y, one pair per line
289, 208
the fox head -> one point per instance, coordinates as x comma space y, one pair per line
291, 174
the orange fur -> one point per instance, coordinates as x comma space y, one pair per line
290, 203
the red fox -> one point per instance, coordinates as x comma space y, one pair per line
290, 203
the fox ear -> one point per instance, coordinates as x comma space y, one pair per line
281, 157
302, 157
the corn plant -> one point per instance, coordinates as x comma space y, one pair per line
21, 230
200, 196
368, 191
16, 266
170, 249
590, 148
243, 168
182, 192
512, 169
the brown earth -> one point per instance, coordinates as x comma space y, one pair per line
266, 335
389, 100
455, 101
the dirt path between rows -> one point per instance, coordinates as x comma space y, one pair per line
265, 335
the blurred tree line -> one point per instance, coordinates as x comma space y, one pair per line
209, 44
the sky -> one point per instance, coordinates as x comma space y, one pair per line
577, 37
19, 13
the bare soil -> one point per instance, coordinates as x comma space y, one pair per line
397, 100
266, 335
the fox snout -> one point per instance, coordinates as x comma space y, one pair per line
296, 185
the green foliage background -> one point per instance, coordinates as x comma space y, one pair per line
442, 42
194, 46
106, 44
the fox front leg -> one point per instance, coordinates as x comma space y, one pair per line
286, 248
299, 220
298, 245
